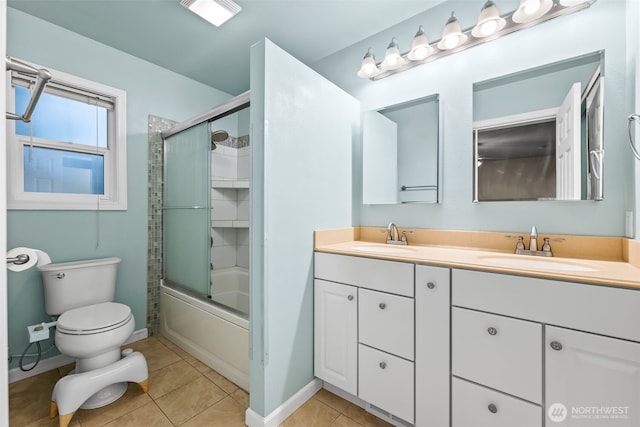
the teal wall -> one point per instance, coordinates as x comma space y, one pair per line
302, 135
601, 27
71, 235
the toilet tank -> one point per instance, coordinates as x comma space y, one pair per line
76, 284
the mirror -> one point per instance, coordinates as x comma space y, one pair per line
538, 133
400, 153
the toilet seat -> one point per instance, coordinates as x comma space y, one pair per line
94, 319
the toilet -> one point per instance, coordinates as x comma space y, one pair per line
90, 328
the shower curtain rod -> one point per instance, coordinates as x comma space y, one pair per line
231, 106
43, 76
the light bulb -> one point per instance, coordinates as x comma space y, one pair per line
420, 48
421, 53
451, 42
488, 28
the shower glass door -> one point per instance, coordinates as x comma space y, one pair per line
187, 211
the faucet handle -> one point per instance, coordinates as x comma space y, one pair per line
404, 237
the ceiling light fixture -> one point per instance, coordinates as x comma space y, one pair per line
452, 36
489, 26
489, 21
216, 12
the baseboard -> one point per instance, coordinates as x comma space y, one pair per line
278, 415
16, 374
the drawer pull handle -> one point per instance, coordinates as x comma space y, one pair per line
382, 306
556, 345
492, 408
492, 331
382, 365
431, 285
350, 297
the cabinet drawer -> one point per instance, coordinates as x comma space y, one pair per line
386, 381
476, 406
386, 322
381, 275
498, 352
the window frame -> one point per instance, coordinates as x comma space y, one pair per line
115, 155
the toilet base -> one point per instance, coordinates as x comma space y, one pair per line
107, 395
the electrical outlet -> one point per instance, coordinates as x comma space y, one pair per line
38, 332
628, 224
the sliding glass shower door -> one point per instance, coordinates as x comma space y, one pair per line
187, 211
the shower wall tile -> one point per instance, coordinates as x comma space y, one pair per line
243, 256
223, 257
243, 236
243, 194
224, 166
243, 211
224, 210
155, 253
217, 194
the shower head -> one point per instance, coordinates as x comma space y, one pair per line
218, 136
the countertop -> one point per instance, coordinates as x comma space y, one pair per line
610, 273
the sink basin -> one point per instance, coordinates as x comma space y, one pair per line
383, 249
536, 263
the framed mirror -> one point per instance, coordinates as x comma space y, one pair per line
400, 153
537, 134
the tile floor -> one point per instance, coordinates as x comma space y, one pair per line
182, 392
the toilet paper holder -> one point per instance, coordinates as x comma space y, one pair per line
18, 259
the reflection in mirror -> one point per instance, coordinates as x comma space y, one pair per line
400, 158
538, 133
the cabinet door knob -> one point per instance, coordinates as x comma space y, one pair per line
382, 306
382, 365
492, 331
556, 345
350, 297
492, 408
431, 285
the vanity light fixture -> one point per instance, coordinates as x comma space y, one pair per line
452, 36
489, 26
216, 12
368, 68
489, 21
420, 48
392, 59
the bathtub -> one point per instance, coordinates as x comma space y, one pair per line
217, 336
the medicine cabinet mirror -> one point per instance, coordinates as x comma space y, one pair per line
401, 154
538, 133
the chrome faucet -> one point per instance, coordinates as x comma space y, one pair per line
533, 245
393, 237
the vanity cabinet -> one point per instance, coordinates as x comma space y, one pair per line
590, 374
364, 330
591, 350
336, 334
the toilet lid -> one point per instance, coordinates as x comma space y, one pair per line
94, 319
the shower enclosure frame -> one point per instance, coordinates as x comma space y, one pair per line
193, 321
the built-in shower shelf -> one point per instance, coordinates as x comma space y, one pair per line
230, 224
228, 183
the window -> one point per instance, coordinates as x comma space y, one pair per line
72, 155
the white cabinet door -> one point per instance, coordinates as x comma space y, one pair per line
498, 352
386, 381
433, 299
591, 380
336, 334
477, 406
386, 322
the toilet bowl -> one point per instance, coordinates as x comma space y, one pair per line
93, 335
90, 328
